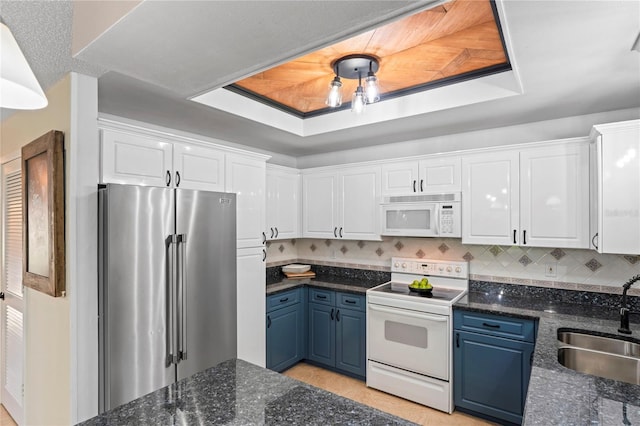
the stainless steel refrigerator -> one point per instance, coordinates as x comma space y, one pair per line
167, 287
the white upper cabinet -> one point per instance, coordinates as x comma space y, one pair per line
490, 198
616, 189
135, 159
283, 203
554, 196
197, 167
528, 196
429, 175
246, 177
342, 204
138, 159
320, 205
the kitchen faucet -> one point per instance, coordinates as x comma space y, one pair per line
624, 309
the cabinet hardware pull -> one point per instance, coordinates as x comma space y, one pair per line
331, 314
514, 236
268, 321
321, 296
414, 185
264, 238
338, 315
524, 237
284, 299
531, 359
168, 178
353, 302
177, 179
264, 255
593, 241
271, 232
276, 232
421, 182
491, 325
341, 232
457, 340
335, 231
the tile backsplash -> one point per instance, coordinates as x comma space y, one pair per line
545, 267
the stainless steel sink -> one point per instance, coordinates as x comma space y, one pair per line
608, 357
602, 364
610, 345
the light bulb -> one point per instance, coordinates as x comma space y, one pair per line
372, 92
358, 101
334, 98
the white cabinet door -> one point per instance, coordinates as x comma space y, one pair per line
283, 204
490, 198
399, 178
198, 167
359, 190
439, 175
251, 305
134, 159
618, 188
319, 205
554, 196
246, 178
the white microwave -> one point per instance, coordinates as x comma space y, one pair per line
425, 215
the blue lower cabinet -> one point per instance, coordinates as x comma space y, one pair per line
322, 334
491, 374
337, 331
285, 330
351, 329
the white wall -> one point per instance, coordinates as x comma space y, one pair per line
46, 322
561, 128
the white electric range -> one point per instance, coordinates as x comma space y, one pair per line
409, 335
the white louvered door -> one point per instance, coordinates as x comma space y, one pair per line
12, 342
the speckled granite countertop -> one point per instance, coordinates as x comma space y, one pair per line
238, 393
558, 395
332, 283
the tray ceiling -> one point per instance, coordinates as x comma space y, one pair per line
449, 43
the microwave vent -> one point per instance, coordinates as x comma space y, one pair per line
424, 197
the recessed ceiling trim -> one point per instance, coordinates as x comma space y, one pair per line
487, 88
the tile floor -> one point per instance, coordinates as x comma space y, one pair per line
357, 390
5, 418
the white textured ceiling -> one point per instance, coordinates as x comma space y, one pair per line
573, 58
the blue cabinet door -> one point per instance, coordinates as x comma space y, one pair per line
350, 341
322, 334
285, 337
491, 374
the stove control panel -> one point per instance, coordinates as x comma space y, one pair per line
442, 268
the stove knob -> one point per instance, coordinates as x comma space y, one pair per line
396, 264
458, 269
441, 268
404, 266
449, 269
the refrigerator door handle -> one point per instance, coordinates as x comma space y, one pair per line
172, 352
182, 297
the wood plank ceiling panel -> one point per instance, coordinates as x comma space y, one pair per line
448, 41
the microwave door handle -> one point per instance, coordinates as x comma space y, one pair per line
436, 212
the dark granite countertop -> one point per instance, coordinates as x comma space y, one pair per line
236, 392
558, 395
333, 283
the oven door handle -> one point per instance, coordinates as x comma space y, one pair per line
409, 314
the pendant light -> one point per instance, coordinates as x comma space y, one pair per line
19, 88
354, 67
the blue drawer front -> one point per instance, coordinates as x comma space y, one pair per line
325, 297
284, 299
351, 301
495, 325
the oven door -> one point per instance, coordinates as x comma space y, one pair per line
410, 219
410, 340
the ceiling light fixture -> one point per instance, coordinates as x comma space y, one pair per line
19, 88
353, 67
